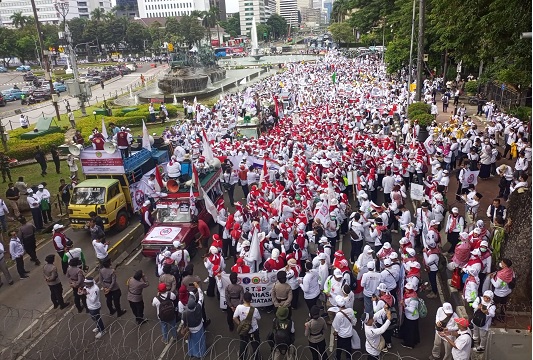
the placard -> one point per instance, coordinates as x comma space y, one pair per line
163, 233
417, 192
258, 284
100, 162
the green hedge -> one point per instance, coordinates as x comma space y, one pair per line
424, 120
418, 108
143, 111
521, 112
471, 87
25, 149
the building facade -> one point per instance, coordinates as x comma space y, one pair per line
166, 8
127, 8
248, 9
288, 9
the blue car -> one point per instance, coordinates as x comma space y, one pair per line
59, 87
3, 69
23, 68
12, 94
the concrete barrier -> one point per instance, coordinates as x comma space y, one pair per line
508, 344
122, 248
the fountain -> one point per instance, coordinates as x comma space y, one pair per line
255, 53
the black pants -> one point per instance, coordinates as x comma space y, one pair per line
211, 287
295, 298
146, 227
356, 250
79, 300
20, 266
318, 350
47, 215
482, 277
43, 167
30, 247
507, 149
112, 300
333, 243
231, 191
249, 340
433, 281
57, 163
226, 247
505, 188
245, 190
137, 308
344, 346
6, 171
229, 318
37, 218
64, 265
311, 302
453, 239
56, 294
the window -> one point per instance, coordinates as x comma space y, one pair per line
82, 3
113, 191
101, 4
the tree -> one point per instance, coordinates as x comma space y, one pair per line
191, 30
77, 27
97, 14
278, 26
341, 32
232, 25
135, 36
19, 20
263, 32
8, 42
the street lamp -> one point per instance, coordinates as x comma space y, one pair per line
411, 54
63, 7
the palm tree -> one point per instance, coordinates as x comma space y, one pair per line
97, 14
19, 19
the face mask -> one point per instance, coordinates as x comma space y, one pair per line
500, 265
482, 249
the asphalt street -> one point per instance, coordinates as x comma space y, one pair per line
124, 339
112, 87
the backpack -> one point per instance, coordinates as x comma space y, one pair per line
386, 236
167, 311
512, 283
424, 168
480, 318
244, 327
282, 333
353, 280
422, 309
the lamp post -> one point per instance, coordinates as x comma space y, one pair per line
63, 7
411, 54
47, 72
420, 60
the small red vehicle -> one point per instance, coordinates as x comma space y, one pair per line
173, 220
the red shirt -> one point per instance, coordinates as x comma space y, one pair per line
203, 228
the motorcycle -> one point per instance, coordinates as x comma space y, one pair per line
28, 101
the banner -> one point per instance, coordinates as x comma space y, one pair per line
100, 162
470, 177
417, 192
253, 161
139, 193
258, 284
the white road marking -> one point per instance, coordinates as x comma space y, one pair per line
133, 257
165, 350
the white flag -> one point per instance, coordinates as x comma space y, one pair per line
146, 138
255, 247
470, 177
209, 205
207, 152
104, 130
243, 81
323, 212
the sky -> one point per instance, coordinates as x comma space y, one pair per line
232, 6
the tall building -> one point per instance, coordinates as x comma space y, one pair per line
221, 6
166, 8
248, 9
328, 5
128, 8
47, 12
288, 9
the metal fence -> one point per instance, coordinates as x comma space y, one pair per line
506, 97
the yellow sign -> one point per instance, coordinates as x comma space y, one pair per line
170, 47
412, 87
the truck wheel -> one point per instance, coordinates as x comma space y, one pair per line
122, 220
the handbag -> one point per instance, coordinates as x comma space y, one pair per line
381, 344
184, 331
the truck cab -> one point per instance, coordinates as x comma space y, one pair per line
111, 186
173, 220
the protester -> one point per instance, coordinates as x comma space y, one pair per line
27, 235
16, 249
461, 345
444, 320
164, 304
92, 293
246, 313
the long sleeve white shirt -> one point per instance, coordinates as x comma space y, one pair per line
15, 248
342, 324
373, 336
100, 249
310, 285
93, 297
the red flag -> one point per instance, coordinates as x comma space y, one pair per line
158, 175
327, 110
265, 177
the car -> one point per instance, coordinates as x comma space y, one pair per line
2, 100
3, 69
60, 87
93, 80
23, 68
29, 76
12, 94
42, 94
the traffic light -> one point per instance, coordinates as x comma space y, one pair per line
170, 47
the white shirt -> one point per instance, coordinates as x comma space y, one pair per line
370, 282
310, 285
491, 311
342, 325
180, 254
373, 335
241, 311
3, 208
100, 248
93, 297
388, 184
156, 302
411, 308
33, 201
462, 348
15, 248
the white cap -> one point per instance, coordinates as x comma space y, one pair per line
370, 265
447, 307
340, 300
368, 249
245, 243
322, 256
41, 186
488, 293
323, 240
337, 273
477, 231
484, 243
404, 241
29, 191
393, 256
167, 254
275, 254
176, 243
58, 226
213, 250
455, 210
387, 262
433, 223
411, 251
382, 287
386, 245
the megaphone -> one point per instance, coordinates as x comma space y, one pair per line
75, 149
173, 186
215, 163
110, 147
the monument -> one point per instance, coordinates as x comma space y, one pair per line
255, 53
191, 71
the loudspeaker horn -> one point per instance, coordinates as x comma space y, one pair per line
75, 149
110, 147
173, 186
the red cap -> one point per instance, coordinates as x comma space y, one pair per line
162, 287
462, 321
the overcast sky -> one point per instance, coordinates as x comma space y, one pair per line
232, 6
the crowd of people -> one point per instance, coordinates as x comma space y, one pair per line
342, 133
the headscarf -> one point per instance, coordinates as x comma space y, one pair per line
183, 294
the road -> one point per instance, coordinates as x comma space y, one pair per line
113, 87
67, 334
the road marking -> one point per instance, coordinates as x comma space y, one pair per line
133, 257
331, 340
